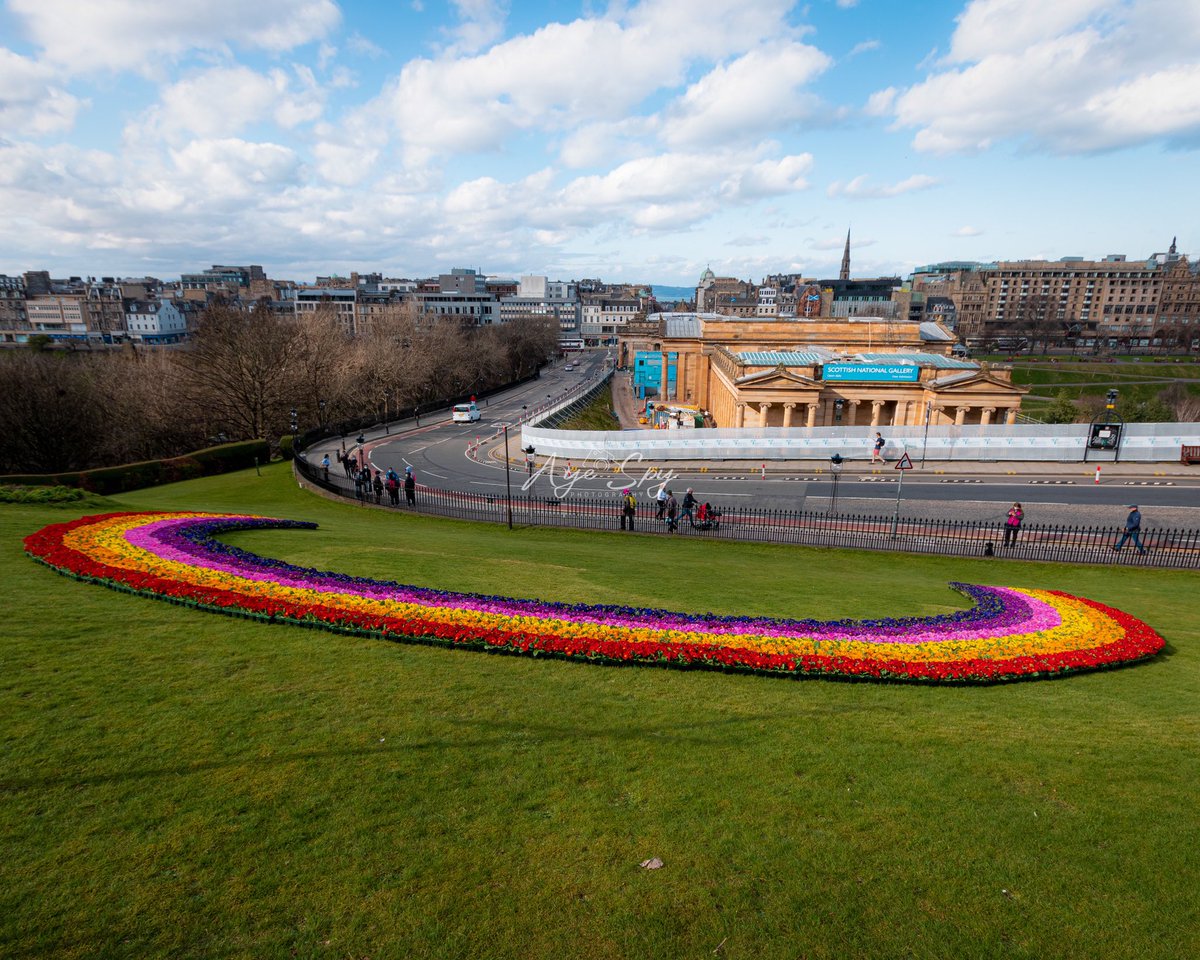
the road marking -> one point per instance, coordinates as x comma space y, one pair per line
960, 481
1066, 482
1149, 483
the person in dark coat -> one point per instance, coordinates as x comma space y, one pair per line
410, 487
1133, 529
672, 512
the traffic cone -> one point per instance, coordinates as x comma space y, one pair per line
1097, 474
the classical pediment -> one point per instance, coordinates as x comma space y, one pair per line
966, 384
779, 377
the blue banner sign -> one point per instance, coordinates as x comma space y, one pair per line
877, 372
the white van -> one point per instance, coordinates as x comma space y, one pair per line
465, 413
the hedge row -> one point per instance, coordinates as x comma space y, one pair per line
151, 473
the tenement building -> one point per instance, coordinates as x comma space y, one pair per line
1112, 301
794, 373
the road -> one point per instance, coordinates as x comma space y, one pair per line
462, 457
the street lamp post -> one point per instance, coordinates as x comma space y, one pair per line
529, 451
387, 406
835, 470
361, 440
321, 414
507, 479
925, 442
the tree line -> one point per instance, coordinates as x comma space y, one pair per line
240, 377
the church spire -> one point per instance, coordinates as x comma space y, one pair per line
845, 272
1172, 250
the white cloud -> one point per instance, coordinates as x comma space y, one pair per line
481, 23
839, 243
594, 70
967, 231
231, 168
80, 36
847, 4
758, 91
860, 189
864, 47
31, 102
359, 45
1071, 76
224, 100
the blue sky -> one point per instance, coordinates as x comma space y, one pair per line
638, 141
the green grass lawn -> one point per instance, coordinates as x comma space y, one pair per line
177, 783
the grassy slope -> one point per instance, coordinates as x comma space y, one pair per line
178, 783
597, 415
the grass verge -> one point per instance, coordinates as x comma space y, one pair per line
177, 783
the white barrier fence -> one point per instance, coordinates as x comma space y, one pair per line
1064, 443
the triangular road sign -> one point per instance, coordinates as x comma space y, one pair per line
904, 463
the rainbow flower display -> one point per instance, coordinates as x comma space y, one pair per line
1008, 634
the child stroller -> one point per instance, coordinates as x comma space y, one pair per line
707, 517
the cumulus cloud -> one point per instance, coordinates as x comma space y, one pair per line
80, 36
1072, 76
31, 101
860, 189
967, 231
755, 92
592, 70
232, 168
224, 100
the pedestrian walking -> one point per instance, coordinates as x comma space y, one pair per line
660, 502
378, 483
1133, 530
393, 487
877, 451
689, 505
347, 464
628, 508
672, 512
357, 477
1012, 524
364, 483
410, 487
325, 466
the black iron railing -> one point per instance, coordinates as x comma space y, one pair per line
1178, 549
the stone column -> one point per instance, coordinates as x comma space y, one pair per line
762, 413
986, 418
1011, 417
960, 415
900, 413
787, 413
739, 417
853, 415
876, 406
812, 413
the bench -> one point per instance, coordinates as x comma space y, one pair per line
1189, 455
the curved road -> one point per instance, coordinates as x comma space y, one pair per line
466, 457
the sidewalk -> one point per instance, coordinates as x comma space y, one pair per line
968, 468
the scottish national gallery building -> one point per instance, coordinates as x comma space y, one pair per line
757, 372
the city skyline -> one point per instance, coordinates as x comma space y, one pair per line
643, 142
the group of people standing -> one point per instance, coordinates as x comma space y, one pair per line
373, 484
670, 510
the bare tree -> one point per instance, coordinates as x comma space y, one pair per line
237, 369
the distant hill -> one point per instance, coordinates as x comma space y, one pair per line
664, 294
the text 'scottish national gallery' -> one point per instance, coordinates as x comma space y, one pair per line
756, 372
